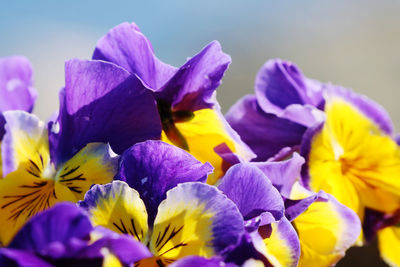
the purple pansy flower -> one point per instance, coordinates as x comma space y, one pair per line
309, 212
166, 205
187, 108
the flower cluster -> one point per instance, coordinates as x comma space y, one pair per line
140, 168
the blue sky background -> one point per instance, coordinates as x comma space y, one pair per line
352, 43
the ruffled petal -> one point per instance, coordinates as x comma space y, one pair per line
266, 134
193, 85
117, 207
339, 226
282, 174
251, 191
280, 84
125, 46
195, 219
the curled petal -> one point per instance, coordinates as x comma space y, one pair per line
266, 134
339, 226
126, 46
251, 191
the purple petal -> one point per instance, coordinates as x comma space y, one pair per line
251, 191
280, 83
370, 108
16, 91
103, 103
53, 228
248, 248
266, 134
294, 208
193, 85
154, 167
195, 261
282, 174
20, 258
127, 249
127, 47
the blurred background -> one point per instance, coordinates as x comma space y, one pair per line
351, 43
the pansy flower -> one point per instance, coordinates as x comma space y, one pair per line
185, 97
337, 145
62, 236
262, 208
60, 162
32, 182
16, 91
352, 154
325, 228
162, 208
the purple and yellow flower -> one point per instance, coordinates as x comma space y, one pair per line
335, 130
44, 165
352, 154
33, 182
322, 230
166, 205
262, 208
63, 236
16, 91
187, 108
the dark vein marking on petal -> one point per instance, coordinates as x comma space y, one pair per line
69, 172
171, 235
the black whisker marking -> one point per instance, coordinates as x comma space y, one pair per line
34, 165
173, 233
69, 172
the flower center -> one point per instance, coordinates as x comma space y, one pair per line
168, 120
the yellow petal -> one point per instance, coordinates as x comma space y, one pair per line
352, 159
389, 245
326, 230
25, 144
119, 208
91, 165
22, 196
203, 133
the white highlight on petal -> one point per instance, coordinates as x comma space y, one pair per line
13, 84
